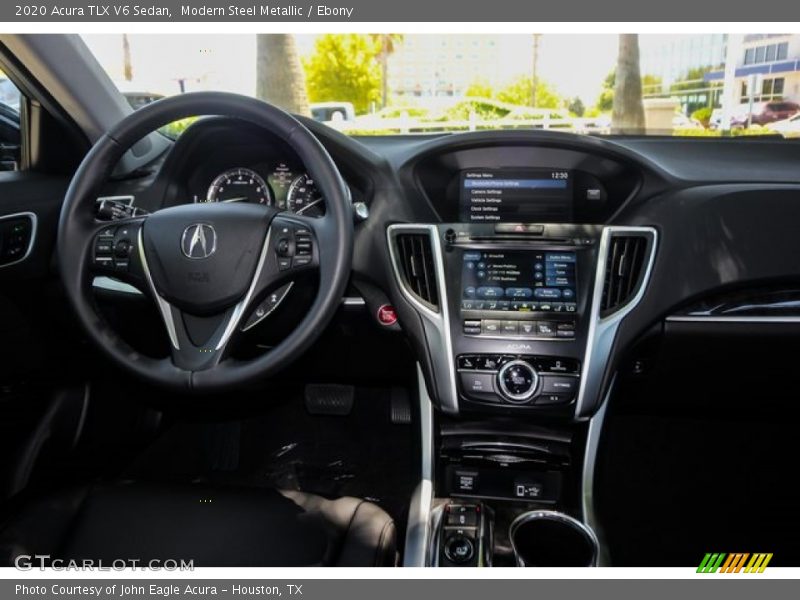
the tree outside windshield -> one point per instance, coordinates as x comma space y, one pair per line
708, 85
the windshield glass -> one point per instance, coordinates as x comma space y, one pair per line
383, 84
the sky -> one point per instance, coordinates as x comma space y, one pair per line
574, 64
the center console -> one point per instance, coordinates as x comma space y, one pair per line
519, 307
518, 315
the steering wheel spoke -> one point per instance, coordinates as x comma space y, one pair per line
197, 343
295, 247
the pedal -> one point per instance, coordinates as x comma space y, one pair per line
329, 399
400, 407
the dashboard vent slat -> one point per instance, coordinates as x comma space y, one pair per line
623, 273
417, 266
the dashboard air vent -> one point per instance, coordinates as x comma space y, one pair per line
417, 266
624, 271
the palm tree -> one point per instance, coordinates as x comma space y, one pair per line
280, 78
127, 66
388, 44
627, 115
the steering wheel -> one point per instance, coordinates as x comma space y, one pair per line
206, 266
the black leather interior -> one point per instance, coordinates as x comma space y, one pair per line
212, 526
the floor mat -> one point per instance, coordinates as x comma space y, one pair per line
362, 455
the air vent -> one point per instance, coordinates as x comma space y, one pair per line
624, 269
417, 266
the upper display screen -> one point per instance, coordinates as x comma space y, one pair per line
516, 196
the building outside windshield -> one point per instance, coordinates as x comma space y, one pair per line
702, 85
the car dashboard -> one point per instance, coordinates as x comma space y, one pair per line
524, 270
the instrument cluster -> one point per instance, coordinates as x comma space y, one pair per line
278, 185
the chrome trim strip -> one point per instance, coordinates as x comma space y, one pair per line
238, 310
34, 228
418, 532
551, 515
114, 285
587, 477
436, 535
164, 307
602, 332
437, 324
723, 319
354, 301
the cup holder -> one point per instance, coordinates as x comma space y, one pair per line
545, 538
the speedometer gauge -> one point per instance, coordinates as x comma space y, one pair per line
303, 198
239, 185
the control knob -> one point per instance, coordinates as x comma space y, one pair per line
517, 381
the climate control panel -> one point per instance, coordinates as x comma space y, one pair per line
521, 380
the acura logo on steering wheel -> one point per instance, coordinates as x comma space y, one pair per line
199, 241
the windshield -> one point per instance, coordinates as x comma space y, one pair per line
708, 85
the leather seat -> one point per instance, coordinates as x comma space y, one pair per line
213, 526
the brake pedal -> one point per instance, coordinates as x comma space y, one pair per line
329, 399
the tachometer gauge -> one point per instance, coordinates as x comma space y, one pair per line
239, 185
304, 198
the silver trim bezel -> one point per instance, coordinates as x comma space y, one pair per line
353, 301
552, 515
593, 434
239, 309
437, 323
165, 308
418, 531
517, 398
34, 228
110, 284
603, 331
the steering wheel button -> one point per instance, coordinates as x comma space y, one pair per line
301, 261
122, 249
282, 247
284, 263
103, 246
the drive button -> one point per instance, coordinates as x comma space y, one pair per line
479, 386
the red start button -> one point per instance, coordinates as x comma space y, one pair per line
387, 315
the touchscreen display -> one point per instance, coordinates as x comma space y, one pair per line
519, 280
515, 196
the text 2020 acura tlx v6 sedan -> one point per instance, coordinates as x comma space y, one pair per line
268, 343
